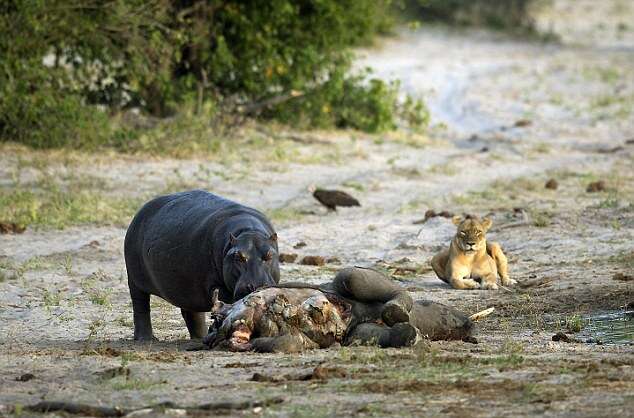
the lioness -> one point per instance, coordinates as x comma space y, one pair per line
471, 257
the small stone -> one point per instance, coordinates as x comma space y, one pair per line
596, 186
560, 336
287, 257
300, 244
622, 277
551, 184
470, 339
25, 377
522, 123
313, 260
11, 228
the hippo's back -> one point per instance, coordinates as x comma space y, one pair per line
172, 245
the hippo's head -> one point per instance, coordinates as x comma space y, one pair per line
250, 263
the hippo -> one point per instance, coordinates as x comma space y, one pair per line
360, 306
183, 246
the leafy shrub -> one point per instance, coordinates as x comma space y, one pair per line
353, 101
60, 58
498, 14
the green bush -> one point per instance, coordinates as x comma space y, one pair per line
499, 14
353, 101
46, 118
61, 58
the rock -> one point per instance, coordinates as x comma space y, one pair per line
596, 186
430, 213
622, 277
333, 260
325, 373
470, 339
25, 377
318, 373
560, 336
11, 228
313, 260
611, 150
287, 257
551, 184
300, 244
522, 123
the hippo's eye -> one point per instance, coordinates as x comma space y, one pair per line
268, 256
241, 257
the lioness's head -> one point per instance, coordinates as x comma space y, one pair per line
471, 235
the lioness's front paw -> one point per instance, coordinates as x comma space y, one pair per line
507, 281
489, 286
470, 284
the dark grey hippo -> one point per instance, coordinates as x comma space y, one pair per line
360, 306
183, 246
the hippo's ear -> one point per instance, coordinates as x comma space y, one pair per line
232, 239
456, 220
273, 237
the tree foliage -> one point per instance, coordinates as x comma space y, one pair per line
499, 14
61, 58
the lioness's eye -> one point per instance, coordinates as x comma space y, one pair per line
463, 233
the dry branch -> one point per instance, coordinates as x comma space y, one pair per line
115, 411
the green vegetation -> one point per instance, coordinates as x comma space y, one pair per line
60, 208
574, 323
70, 70
510, 15
134, 384
51, 298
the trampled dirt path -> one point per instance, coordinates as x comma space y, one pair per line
509, 115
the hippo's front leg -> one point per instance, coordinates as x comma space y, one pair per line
195, 322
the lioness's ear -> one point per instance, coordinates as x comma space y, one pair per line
273, 237
486, 224
456, 220
232, 239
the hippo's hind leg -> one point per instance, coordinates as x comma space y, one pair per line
141, 310
195, 322
368, 286
400, 335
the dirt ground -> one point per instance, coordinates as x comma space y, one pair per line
508, 114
